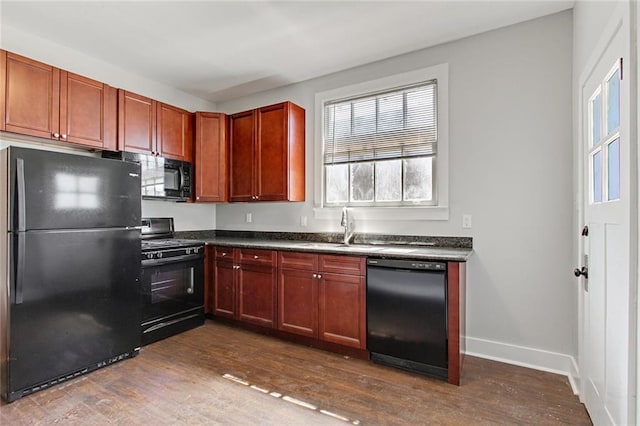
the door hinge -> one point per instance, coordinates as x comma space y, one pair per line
620, 69
585, 231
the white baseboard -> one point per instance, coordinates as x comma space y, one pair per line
523, 356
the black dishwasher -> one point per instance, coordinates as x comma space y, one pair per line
407, 314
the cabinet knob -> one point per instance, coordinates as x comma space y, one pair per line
255, 257
64, 136
319, 276
56, 135
315, 275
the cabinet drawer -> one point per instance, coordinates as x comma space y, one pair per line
300, 261
224, 253
347, 265
255, 256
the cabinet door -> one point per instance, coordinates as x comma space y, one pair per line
31, 101
341, 310
257, 294
87, 111
298, 302
271, 153
224, 289
280, 153
174, 133
211, 157
136, 123
241, 156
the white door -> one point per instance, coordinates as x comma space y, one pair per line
607, 355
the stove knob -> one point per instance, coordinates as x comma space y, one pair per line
159, 254
197, 249
149, 255
188, 251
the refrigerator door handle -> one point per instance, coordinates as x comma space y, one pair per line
21, 253
20, 187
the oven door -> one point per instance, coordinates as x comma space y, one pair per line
172, 286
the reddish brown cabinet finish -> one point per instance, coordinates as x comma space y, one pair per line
211, 151
241, 159
267, 155
37, 99
456, 319
323, 296
147, 126
244, 285
136, 123
175, 132
298, 293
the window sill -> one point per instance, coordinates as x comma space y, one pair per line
384, 213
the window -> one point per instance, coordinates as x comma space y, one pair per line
383, 143
604, 139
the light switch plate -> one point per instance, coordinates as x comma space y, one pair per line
303, 221
466, 221
249, 218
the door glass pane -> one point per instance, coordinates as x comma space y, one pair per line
613, 170
418, 174
596, 181
613, 102
596, 119
337, 183
362, 182
389, 180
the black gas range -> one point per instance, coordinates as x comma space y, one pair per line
172, 281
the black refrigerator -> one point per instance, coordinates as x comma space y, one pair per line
71, 259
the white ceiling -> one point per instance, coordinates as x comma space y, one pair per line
223, 50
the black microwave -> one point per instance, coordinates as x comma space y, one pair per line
161, 178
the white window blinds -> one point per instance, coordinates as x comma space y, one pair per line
399, 123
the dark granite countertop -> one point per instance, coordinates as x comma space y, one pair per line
456, 249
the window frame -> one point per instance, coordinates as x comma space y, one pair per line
437, 211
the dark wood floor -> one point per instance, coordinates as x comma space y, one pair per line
181, 380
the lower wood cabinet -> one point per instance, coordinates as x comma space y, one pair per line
323, 296
244, 285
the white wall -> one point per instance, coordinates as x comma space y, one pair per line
510, 167
187, 216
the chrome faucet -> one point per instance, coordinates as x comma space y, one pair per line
348, 225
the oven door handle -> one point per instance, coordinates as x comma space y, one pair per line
169, 260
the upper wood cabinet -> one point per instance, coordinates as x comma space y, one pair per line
267, 154
211, 151
175, 132
151, 127
37, 99
136, 123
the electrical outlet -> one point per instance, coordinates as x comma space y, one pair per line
466, 221
303, 221
249, 218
